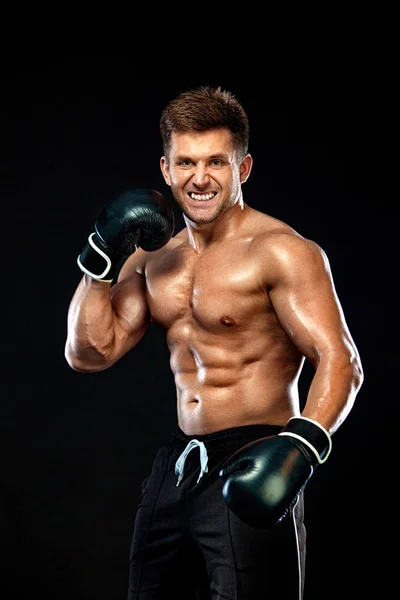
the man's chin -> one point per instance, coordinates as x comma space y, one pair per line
195, 219
198, 218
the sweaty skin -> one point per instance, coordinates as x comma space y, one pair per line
243, 300
233, 361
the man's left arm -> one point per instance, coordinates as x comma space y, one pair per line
307, 305
263, 479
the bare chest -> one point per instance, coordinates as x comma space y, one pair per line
217, 289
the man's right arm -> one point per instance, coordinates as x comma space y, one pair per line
105, 322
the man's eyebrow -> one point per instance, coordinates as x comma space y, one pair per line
181, 156
211, 157
218, 156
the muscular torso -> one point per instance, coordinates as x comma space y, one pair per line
232, 361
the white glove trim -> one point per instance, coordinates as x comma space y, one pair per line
307, 443
106, 258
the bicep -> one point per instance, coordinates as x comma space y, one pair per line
305, 300
131, 312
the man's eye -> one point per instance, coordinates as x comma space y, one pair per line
216, 162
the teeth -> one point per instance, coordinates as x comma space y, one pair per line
202, 197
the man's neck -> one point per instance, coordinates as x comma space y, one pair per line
226, 225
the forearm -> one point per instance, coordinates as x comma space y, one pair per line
333, 390
90, 335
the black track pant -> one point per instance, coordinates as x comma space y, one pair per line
188, 545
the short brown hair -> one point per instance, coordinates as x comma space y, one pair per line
202, 109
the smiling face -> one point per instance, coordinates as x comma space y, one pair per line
204, 173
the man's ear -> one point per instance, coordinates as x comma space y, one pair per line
245, 168
165, 170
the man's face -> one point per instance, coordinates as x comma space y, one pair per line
204, 173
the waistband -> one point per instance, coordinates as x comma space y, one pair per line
224, 435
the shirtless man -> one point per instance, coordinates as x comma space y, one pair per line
244, 300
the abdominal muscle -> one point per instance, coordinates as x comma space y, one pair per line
220, 386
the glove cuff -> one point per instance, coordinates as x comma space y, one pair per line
311, 434
94, 260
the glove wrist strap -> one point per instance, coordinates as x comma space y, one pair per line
94, 261
312, 434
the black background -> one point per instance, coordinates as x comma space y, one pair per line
74, 447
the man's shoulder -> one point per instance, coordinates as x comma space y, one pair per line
274, 236
271, 230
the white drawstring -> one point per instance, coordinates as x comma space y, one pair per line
180, 463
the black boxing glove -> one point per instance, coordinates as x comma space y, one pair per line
264, 478
137, 218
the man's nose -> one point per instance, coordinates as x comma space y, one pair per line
200, 176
